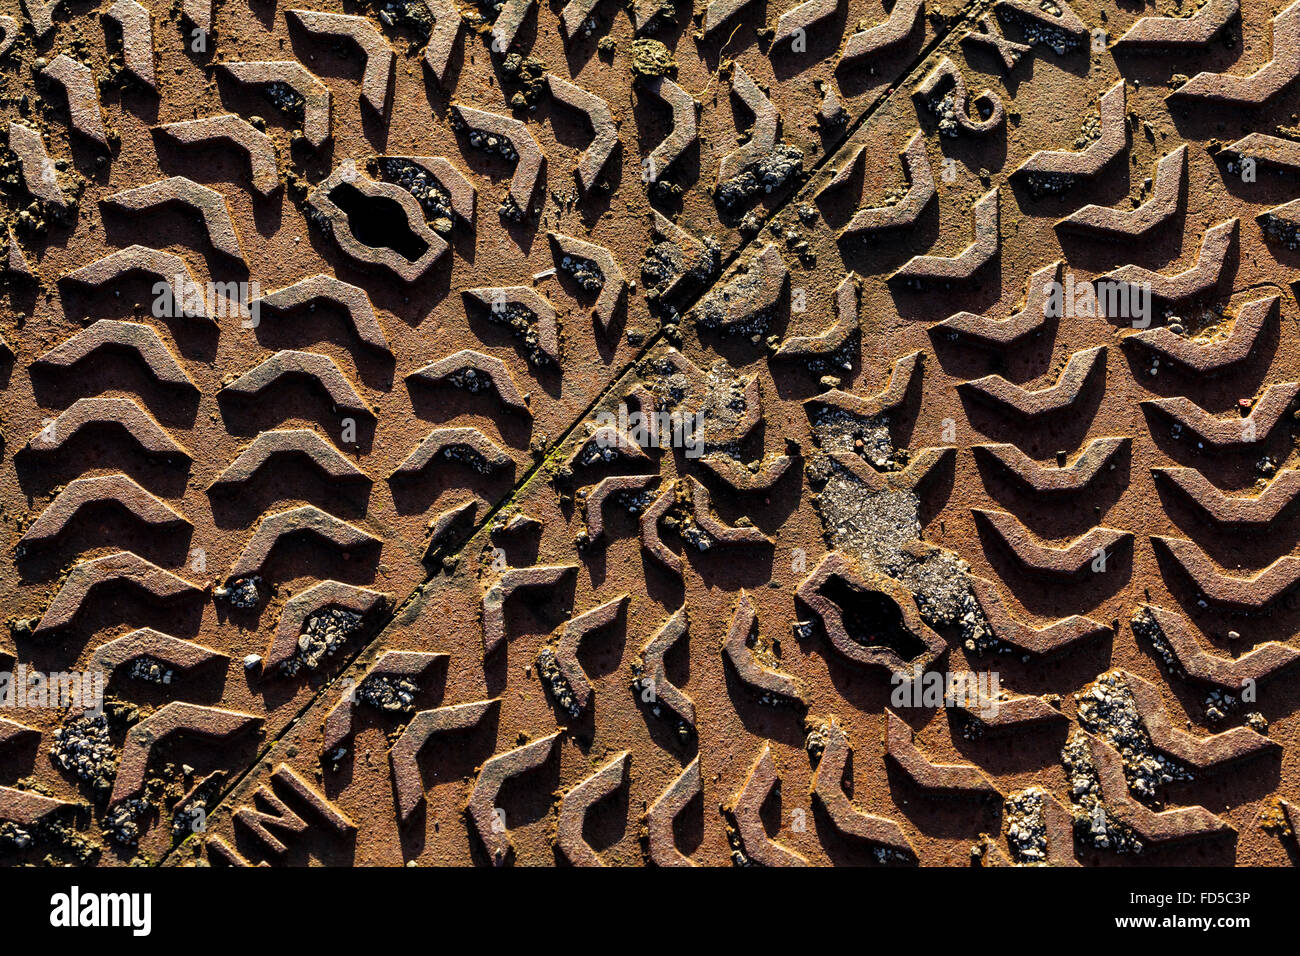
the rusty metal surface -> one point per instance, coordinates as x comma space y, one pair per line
380, 571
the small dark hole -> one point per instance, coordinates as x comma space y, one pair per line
378, 222
873, 619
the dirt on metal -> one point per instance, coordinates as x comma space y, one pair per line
576, 433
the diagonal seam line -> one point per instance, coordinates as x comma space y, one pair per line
615, 380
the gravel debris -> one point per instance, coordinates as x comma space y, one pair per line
470, 380
652, 58
428, 192
1106, 709
493, 144
1219, 705
711, 313
530, 74
152, 671
14, 837
521, 320
1284, 232
122, 822
665, 261
286, 99
1146, 626
1027, 825
413, 14
556, 686
1093, 823
641, 686
585, 272
781, 164
392, 695
242, 594
323, 634
1036, 32
836, 430
83, 748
